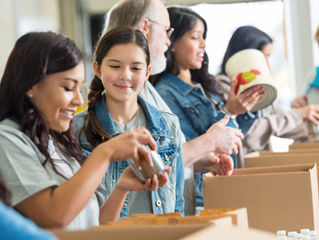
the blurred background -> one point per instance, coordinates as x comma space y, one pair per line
291, 23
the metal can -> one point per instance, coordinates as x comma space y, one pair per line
146, 170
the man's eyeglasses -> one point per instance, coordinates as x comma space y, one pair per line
169, 30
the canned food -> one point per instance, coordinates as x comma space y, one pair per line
146, 170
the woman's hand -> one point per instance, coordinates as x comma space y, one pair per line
244, 102
310, 112
300, 101
130, 182
129, 145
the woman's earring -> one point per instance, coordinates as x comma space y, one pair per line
173, 50
30, 95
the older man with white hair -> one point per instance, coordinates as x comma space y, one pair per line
208, 152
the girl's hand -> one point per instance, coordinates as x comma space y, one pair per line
130, 182
244, 102
129, 145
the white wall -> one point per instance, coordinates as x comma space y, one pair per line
19, 16
7, 31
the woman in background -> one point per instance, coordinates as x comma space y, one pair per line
191, 92
274, 120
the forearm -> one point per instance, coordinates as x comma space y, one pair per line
111, 209
196, 149
57, 208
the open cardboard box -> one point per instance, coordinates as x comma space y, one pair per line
279, 154
281, 197
160, 232
228, 217
307, 145
238, 215
281, 159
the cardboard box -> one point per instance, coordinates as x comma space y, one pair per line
230, 233
308, 145
228, 217
138, 232
182, 232
238, 215
283, 197
282, 159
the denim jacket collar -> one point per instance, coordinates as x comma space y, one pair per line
155, 122
181, 87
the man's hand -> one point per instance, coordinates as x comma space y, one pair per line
224, 139
217, 164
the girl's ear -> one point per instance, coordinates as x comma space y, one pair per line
96, 69
148, 71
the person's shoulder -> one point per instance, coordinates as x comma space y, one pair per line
10, 127
79, 118
222, 78
171, 119
165, 78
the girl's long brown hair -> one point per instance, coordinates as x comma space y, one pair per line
122, 35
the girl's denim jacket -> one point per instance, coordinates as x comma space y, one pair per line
197, 113
168, 198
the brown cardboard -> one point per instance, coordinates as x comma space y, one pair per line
221, 216
181, 232
134, 232
229, 233
238, 215
274, 154
282, 159
307, 145
282, 197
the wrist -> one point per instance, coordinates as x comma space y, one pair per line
106, 151
229, 112
118, 188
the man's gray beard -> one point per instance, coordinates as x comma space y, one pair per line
158, 65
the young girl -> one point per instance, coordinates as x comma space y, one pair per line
121, 66
39, 93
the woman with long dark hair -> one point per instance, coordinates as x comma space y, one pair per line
273, 119
40, 160
190, 91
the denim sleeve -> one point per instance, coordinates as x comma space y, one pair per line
179, 205
246, 120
